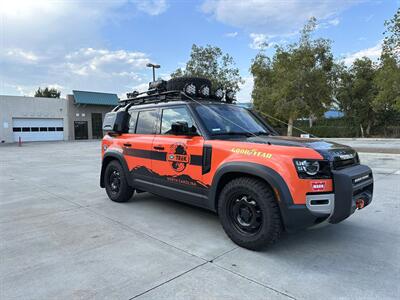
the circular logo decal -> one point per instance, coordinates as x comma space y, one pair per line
177, 157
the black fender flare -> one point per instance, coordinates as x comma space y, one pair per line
273, 178
109, 156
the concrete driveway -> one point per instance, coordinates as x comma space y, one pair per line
61, 238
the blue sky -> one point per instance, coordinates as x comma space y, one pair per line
105, 45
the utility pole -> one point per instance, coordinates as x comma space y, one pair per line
154, 66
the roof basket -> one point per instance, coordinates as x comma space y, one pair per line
181, 88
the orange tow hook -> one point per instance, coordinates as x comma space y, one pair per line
360, 203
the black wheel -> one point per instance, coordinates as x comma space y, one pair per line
249, 213
116, 183
177, 84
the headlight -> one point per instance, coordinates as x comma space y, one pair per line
312, 168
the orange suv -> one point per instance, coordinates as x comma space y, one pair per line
184, 141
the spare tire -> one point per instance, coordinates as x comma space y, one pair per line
179, 83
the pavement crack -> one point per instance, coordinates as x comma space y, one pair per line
167, 281
256, 282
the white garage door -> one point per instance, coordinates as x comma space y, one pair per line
32, 129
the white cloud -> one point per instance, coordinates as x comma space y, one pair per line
334, 22
272, 16
86, 69
372, 53
20, 55
259, 41
231, 34
59, 43
152, 7
244, 95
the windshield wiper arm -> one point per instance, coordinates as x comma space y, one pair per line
261, 133
233, 133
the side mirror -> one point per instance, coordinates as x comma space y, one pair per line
180, 128
116, 122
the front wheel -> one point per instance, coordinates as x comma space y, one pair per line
116, 183
249, 213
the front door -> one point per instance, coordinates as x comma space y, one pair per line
97, 126
177, 161
81, 130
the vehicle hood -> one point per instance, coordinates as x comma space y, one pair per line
329, 150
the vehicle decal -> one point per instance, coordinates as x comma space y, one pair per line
180, 179
318, 185
195, 160
178, 157
251, 152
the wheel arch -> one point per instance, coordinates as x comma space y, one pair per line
107, 158
233, 170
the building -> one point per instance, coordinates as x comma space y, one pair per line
79, 116
86, 112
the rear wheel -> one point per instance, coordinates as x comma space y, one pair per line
249, 213
116, 183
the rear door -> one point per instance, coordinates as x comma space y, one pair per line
137, 144
177, 159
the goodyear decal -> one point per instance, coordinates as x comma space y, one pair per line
251, 152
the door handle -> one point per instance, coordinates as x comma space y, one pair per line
159, 147
127, 144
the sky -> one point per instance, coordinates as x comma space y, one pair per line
104, 45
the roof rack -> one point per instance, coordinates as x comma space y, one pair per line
181, 89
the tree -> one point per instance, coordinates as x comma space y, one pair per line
387, 80
298, 81
212, 63
391, 42
356, 92
48, 93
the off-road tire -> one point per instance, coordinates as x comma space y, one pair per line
271, 225
124, 192
178, 84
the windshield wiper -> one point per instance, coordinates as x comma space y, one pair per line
233, 133
261, 133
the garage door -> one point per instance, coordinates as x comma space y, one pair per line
32, 129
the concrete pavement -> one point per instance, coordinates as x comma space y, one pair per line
61, 238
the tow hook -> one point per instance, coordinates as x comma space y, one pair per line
360, 203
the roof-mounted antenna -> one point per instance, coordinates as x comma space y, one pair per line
154, 66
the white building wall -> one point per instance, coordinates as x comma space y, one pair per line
29, 107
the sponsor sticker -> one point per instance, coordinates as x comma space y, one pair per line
318, 186
251, 152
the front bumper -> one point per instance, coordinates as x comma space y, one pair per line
350, 184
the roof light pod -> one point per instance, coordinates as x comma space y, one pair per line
230, 96
190, 89
204, 91
219, 93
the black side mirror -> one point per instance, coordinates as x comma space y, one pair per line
116, 122
180, 128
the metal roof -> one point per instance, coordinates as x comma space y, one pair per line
95, 98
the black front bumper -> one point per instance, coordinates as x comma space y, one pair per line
351, 184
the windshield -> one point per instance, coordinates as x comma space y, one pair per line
230, 120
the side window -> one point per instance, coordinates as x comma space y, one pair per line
132, 120
171, 115
146, 122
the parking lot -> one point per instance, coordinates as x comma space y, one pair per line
61, 238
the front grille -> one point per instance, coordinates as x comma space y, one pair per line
339, 163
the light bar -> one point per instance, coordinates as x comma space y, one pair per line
190, 89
